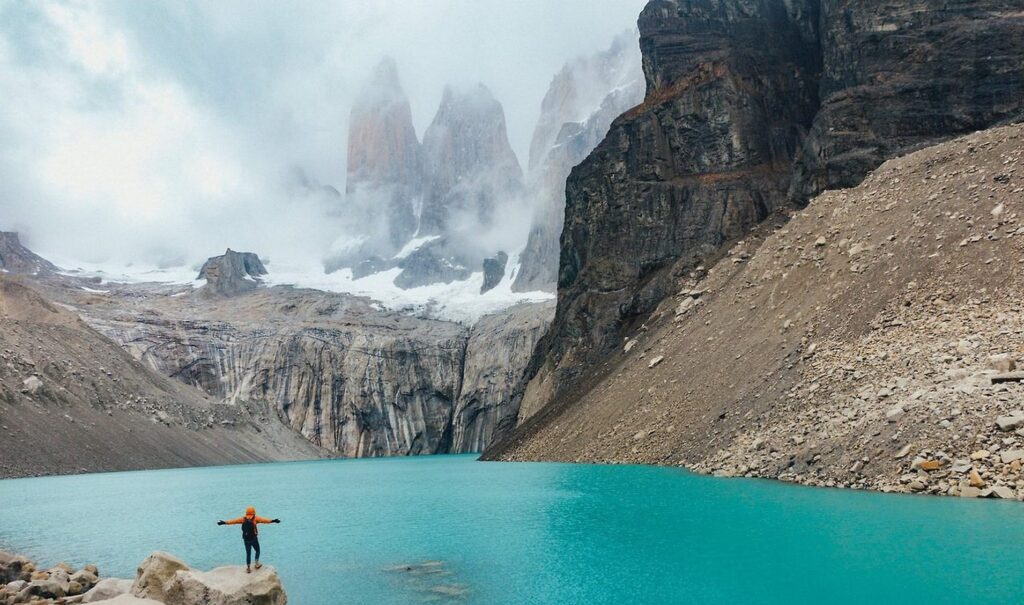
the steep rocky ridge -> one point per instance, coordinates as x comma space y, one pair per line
468, 160
16, 258
751, 106
73, 401
868, 342
703, 160
385, 165
577, 110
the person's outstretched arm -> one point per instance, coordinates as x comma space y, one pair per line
237, 521
266, 520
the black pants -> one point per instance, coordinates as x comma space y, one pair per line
250, 545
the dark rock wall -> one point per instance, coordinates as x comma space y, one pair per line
732, 88
753, 105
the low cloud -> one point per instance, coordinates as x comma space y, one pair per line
162, 133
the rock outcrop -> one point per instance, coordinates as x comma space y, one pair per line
21, 581
231, 273
226, 586
494, 271
498, 349
73, 401
155, 574
581, 103
468, 161
16, 258
751, 106
385, 167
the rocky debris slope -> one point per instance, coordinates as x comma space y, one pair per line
16, 258
231, 273
161, 579
873, 341
73, 401
751, 107
348, 377
578, 108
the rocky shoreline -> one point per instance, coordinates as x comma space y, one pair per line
162, 579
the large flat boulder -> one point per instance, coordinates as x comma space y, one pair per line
226, 586
127, 599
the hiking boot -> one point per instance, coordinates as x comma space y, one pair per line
247, 570
258, 565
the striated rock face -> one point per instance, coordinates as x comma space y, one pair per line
468, 161
385, 170
752, 106
231, 273
499, 347
577, 110
16, 258
899, 75
349, 378
706, 157
73, 401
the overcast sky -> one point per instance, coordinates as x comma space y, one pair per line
163, 129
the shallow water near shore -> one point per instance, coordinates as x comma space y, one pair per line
448, 529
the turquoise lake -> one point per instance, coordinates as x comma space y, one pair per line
529, 533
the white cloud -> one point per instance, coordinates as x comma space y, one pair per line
159, 130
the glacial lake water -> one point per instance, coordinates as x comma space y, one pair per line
499, 533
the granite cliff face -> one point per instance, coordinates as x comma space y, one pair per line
469, 163
497, 350
752, 106
349, 378
385, 167
576, 112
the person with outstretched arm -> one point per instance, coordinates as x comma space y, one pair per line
250, 533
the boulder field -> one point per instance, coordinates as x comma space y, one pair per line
161, 579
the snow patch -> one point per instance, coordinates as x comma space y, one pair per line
415, 244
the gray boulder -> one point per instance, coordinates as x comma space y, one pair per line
226, 586
107, 589
154, 573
